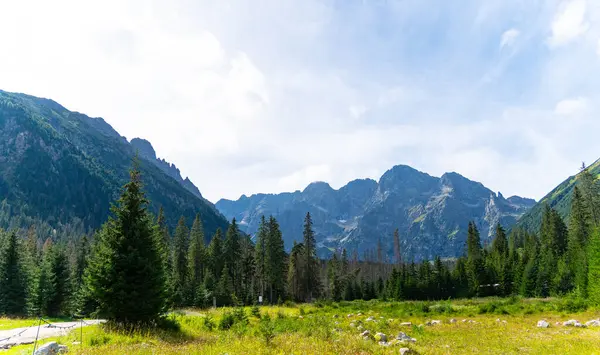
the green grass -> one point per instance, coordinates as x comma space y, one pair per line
325, 328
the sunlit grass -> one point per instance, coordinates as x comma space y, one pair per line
493, 326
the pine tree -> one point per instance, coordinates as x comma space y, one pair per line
275, 260
13, 279
593, 251
232, 253
295, 276
196, 258
591, 195
500, 261
125, 274
215, 254
311, 273
58, 302
475, 261
224, 290
180, 275
260, 257
577, 242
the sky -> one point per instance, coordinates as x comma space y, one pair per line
249, 96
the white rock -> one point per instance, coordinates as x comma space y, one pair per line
381, 337
593, 323
435, 322
360, 314
406, 324
366, 333
51, 348
573, 323
350, 315
403, 337
464, 321
405, 351
543, 324
370, 319
352, 325
452, 321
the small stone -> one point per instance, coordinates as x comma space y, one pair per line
498, 320
350, 315
434, 322
405, 351
370, 319
300, 317
464, 321
406, 324
403, 337
573, 323
384, 343
381, 337
366, 333
452, 321
543, 324
360, 314
336, 323
352, 325
504, 322
593, 323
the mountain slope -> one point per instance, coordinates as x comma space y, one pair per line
60, 167
559, 199
431, 213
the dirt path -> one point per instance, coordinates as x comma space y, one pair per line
19, 336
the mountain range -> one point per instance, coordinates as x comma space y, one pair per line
60, 167
431, 213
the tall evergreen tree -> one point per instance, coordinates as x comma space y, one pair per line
275, 260
260, 257
475, 261
215, 254
591, 194
232, 253
13, 279
311, 272
295, 275
578, 237
594, 267
196, 259
58, 301
180, 277
125, 274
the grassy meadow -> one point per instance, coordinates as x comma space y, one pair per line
490, 326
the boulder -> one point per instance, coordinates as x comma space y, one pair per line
593, 323
573, 323
434, 322
381, 337
403, 337
543, 324
51, 348
405, 351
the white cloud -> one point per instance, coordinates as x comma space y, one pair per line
571, 107
569, 22
356, 111
598, 48
509, 37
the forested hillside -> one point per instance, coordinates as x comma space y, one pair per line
62, 170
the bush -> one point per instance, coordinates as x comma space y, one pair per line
227, 321
208, 322
240, 316
255, 312
266, 329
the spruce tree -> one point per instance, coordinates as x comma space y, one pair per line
593, 252
260, 257
215, 254
591, 194
577, 242
275, 260
311, 272
13, 278
125, 274
232, 253
58, 302
196, 258
475, 261
180, 275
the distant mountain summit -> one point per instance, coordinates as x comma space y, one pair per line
431, 213
61, 167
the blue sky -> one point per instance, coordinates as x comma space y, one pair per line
268, 96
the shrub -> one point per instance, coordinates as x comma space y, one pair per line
266, 329
208, 322
227, 321
256, 312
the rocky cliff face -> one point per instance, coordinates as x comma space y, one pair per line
431, 213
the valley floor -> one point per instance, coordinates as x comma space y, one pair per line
483, 326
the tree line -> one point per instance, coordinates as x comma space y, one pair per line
133, 270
